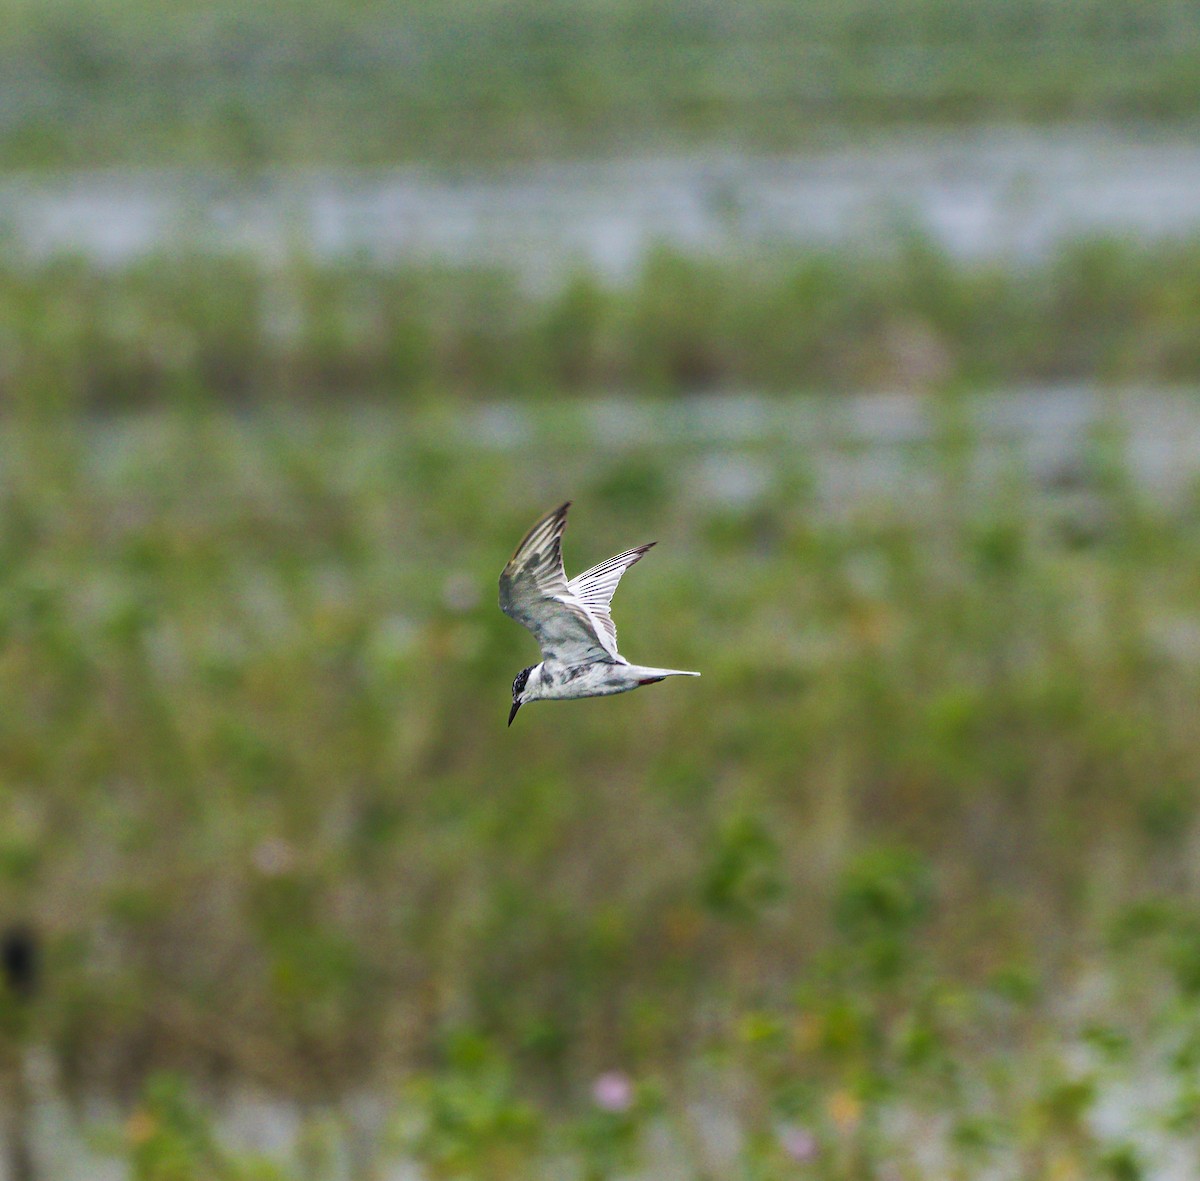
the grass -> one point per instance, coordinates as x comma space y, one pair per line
908, 871
907, 315
291, 82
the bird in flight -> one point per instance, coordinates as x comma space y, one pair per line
569, 620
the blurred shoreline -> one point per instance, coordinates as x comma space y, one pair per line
1013, 194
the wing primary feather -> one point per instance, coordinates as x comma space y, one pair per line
555, 520
600, 582
595, 588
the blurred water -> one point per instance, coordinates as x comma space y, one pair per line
882, 449
1127, 1112
991, 193
879, 446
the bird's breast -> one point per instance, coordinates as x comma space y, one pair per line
586, 680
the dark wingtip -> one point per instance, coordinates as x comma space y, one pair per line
559, 515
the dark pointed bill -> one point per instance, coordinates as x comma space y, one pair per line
512, 713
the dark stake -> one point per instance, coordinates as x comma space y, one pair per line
20, 961
20, 964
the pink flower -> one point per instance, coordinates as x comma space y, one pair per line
798, 1143
613, 1091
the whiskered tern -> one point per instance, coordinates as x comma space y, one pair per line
570, 620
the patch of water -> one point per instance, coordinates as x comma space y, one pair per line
997, 193
856, 444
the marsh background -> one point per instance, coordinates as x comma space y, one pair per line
883, 316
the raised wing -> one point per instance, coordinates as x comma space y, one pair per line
534, 592
594, 589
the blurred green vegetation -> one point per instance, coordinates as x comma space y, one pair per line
292, 81
904, 886
925, 826
907, 314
